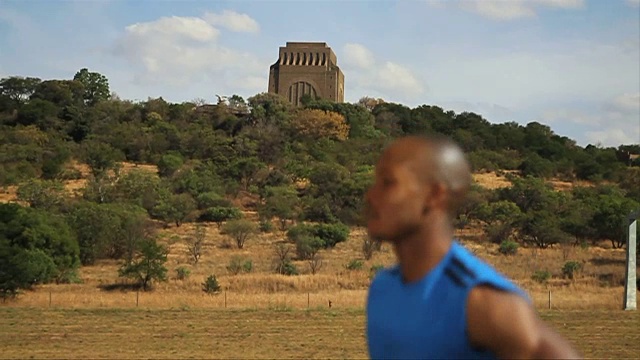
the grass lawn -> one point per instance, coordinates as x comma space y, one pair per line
264, 333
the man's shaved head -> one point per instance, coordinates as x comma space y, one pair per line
417, 180
435, 160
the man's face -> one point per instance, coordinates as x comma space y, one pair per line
396, 200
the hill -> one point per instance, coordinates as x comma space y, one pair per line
272, 197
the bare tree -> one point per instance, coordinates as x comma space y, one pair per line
369, 246
315, 263
195, 243
282, 257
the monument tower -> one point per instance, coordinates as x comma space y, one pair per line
306, 68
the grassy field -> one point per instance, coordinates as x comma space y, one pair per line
269, 333
261, 314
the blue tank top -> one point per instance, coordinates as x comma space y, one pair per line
426, 319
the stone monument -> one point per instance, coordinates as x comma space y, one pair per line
306, 68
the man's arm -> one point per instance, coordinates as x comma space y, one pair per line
506, 325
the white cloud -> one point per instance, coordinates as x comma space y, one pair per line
398, 78
357, 56
613, 137
233, 21
510, 9
388, 79
579, 117
502, 10
613, 123
627, 102
633, 3
180, 51
191, 28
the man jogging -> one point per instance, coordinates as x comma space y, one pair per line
440, 301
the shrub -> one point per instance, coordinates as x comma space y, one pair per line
355, 264
283, 262
70, 174
289, 268
238, 265
220, 214
369, 246
266, 226
212, 199
182, 273
211, 286
169, 164
498, 231
308, 246
508, 247
570, 268
541, 276
330, 234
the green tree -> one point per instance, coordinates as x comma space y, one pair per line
240, 230
27, 233
18, 89
500, 219
42, 194
59, 92
103, 229
176, 208
220, 214
169, 164
148, 264
100, 156
22, 268
96, 86
281, 202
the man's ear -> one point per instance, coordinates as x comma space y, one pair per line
437, 196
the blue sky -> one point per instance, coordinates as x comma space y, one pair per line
571, 64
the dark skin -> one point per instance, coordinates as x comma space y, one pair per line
419, 184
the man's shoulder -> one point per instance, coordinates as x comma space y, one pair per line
485, 274
386, 275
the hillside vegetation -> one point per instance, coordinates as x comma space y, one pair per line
255, 196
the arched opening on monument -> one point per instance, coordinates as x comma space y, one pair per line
298, 89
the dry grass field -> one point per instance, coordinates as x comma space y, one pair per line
264, 315
243, 334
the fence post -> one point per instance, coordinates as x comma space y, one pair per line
307, 300
225, 299
549, 299
49, 298
137, 295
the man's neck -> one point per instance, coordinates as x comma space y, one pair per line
423, 250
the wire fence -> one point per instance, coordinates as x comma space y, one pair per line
552, 299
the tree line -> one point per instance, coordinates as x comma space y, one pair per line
311, 164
